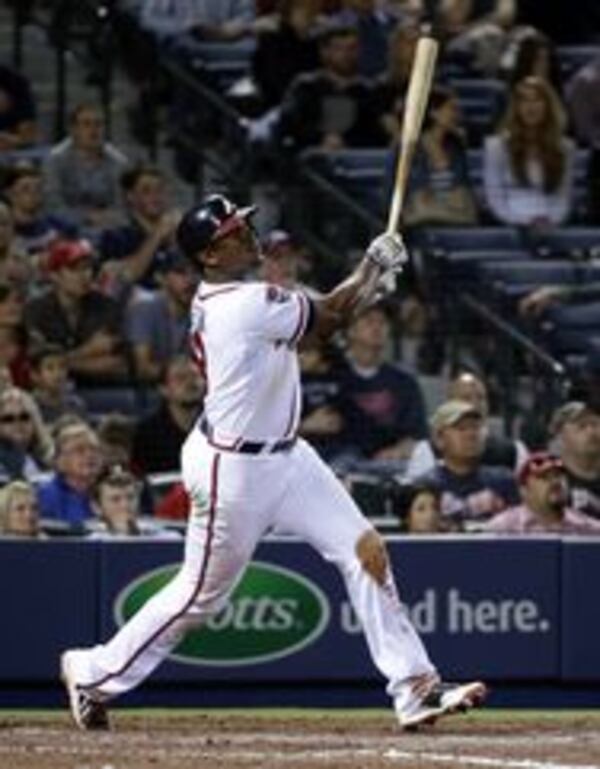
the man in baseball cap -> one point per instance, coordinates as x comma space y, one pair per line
545, 496
471, 491
575, 428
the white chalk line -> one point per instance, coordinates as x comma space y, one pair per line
287, 738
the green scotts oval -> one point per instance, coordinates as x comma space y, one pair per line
272, 613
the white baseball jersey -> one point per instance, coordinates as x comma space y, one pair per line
243, 338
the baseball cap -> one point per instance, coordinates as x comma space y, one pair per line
538, 464
568, 412
213, 219
66, 253
451, 412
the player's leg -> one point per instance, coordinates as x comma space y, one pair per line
319, 509
220, 540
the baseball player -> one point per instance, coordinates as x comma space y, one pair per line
247, 472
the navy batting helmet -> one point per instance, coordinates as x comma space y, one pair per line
214, 218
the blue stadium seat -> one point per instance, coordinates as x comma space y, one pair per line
533, 272
107, 400
472, 238
576, 242
465, 266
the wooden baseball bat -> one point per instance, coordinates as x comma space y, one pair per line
419, 86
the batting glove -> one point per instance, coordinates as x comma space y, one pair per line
388, 252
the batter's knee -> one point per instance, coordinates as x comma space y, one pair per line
372, 554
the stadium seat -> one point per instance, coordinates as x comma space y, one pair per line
575, 242
464, 266
532, 272
472, 238
107, 400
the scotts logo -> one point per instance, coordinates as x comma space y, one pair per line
273, 612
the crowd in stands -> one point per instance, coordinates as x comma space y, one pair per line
97, 387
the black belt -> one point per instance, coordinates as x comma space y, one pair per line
246, 447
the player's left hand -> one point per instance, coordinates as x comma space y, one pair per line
388, 252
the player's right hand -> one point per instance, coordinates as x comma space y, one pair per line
388, 252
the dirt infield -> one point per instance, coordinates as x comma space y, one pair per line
301, 740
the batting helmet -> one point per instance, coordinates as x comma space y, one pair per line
214, 218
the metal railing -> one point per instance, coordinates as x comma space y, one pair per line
517, 354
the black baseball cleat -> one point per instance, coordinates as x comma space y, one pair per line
89, 714
442, 700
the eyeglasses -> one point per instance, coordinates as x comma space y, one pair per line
11, 419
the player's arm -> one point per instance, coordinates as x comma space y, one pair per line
385, 255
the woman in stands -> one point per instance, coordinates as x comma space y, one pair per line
440, 192
22, 426
528, 162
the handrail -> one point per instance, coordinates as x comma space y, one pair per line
509, 330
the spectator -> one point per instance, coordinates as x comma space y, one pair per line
14, 265
117, 502
116, 434
528, 163
535, 56
390, 87
498, 451
82, 172
471, 492
131, 252
374, 25
440, 191
583, 102
52, 389
19, 516
473, 40
21, 424
67, 495
545, 498
324, 408
575, 427
330, 107
286, 50
157, 323
386, 412
74, 314
17, 111
35, 230
424, 511
13, 335
182, 392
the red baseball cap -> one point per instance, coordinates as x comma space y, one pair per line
65, 253
538, 464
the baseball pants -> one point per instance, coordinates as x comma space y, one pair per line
236, 499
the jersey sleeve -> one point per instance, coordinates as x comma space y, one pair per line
280, 315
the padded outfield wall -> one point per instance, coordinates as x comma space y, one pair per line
524, 614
